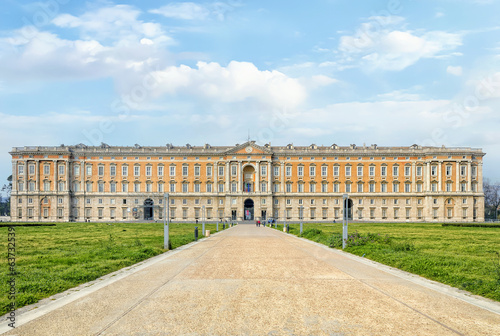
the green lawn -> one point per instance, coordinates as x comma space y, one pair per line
51, 259
464, 257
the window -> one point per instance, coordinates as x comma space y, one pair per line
288, 171
137, 187
149, 187
263, 187
448, 170
360, 170
348, 171
88, 186
160, 170
263, 170
419, 170
276, 187
184, 187
125, 187
196, 170
407, 170
347, 187
407, 187
234, 187
395, 171
46, 169
100, 170
335, 170
209, 187
419, 187
20, 170
312, 171
221, 170
197, 187
100, 187
62, 186
474, 171
172, 170
61, 170
336, 187
46, 186
433, 170
312, 187
383, 187
185, 170
149, 170
371, 187
124, 171
324, 187
172, 187
209, 170
300, 171
288, 187
383, 171
324, 171
463, 186
31, 169
112, 187
234, 170
137, 170
372, 171
276, 171
300, 187
434, 186
463, 170
221, 187
288, 201
360, 187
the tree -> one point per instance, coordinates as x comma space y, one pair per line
491, 198
5, 202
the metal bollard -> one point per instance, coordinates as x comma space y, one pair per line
195, 233
223, 226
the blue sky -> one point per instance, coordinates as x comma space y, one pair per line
326, 71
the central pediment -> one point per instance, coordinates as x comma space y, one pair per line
249, 148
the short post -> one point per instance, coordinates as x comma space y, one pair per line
195, 233
203, 220
345, 220
166, 221
301, 215
223, 226
217, 229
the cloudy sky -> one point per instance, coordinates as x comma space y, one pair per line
322, 71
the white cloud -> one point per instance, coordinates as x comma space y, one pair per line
237, 82
454, 70
384, 43
183, 10
194, 11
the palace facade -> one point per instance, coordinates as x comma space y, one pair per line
246, 182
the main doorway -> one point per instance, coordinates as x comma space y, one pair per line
248, 209
148, 209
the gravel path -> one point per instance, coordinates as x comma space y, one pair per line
252, 280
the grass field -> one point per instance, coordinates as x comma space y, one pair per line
464, 257
52, 259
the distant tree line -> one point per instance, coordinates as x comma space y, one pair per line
491, 199
5, 197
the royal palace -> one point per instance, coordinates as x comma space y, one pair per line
246, 182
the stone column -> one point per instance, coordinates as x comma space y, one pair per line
228, 177
269, 185
469, 177
428, 177
257, 177
239, 177
440, 174
480, 177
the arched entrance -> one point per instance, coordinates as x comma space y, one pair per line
349, 208
248, 210
148, 209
